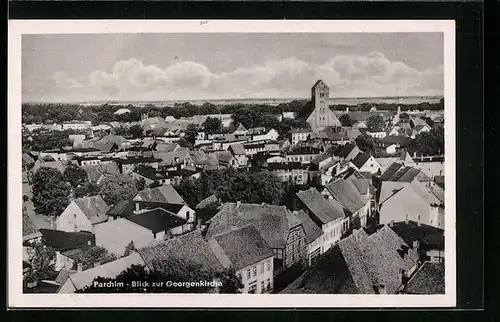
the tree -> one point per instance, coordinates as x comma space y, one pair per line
135, 131
50, 192
118, 187
212, 125
365, 143
231, 283
375, 123
87, 190
140, 183
129, 249
41, 263
428, 120
94, 255
346, 120
428, 143
75, 175
190, 134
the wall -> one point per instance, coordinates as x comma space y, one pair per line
435, 255
73, 219
296, 246
67, 287
263, 276
63, 262
115, 235
398, 206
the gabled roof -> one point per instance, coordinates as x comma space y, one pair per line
62, 241
363, 185
122, 208
27, 159
390, 171
344, 151
243, 246
325, 210
361, 159
312, 230
429, 279
95, 171
164, 193
240, 128
272, 222
94, 208
189, 247
377, 259
346, 193
110, 270
157, 220
430, 237
210, 201
237, 149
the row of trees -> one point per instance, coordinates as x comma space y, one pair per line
231, 185
53, 190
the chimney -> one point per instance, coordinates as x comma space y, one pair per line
406, 219
381, 289
79, 267
418, 220
238, 203
391, 224
416, 244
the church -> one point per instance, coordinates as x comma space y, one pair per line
319, 115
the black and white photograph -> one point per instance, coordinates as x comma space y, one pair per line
231, 163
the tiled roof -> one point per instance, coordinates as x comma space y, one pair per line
345, 150
377, 259
95, 171
164, 193
363, 185
346, 193
429, 279
209, 201
63, 275
430, 237
94, 208
409, 175
109, 270
360, 159
243, 246
390, 171
157, 220
189, 247
62, 240
122, 208
237, 149
305, 111
272, 222
323, 209
312, 230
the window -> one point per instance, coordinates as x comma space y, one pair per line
262, 268
268, 265
254, 271
268, 283
187, 215
262, 286
74, 216
248, 273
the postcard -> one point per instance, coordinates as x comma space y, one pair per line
235, 164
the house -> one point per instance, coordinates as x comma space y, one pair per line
55, 164
430, 240
429, 279
326, 214
181, 210
128, 165
294, 172
82, 214
393, 143
66, 244
398, 172
347, 195
150, 175
96, 173
163, 194
317, 113
400, 201
76, 125
376, 133
270, 134
380, 263
240, 130
365, 162
302, 154
299, 135
276, 224
226, 159
239, 153
314, 236
346, 152
79, 280
161, 223
176, 156
245, 251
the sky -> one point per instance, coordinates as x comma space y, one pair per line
160, 67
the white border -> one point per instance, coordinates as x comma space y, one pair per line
19, 300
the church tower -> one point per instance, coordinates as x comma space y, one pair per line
321, 116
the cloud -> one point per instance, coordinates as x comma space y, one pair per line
372, 74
